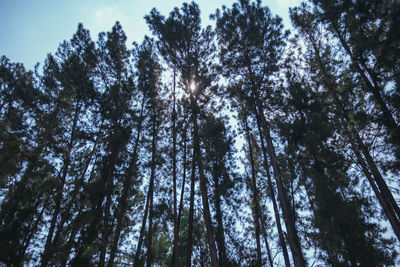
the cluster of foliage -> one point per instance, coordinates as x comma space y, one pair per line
238, 145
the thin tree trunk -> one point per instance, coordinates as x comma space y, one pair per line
142, 229
151, 193
220, 228
288, 217
271, 263
87, 236
109, 181
204, 196
74, 231
29, 236
176, 229
76, 222
272, 192
74, 194
181, 198
256, 208
191, 213
132, 172
49, 240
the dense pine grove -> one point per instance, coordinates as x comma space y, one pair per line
236, 145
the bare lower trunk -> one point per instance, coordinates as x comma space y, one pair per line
107, 210
256, 208
220, 230
288, 217
191, 213
47, 253
176, 229
151, 192
176, 250
131, 173
264, 230
272, 192
204, 195
142, 229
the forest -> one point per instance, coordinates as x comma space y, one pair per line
237, 144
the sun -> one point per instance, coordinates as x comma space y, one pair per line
192, 86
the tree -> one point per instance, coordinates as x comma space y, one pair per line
69, 77
218, 152
251, 42
323, 62
324, 170
189, 50
23, 192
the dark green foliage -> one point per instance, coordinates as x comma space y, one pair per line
344, 233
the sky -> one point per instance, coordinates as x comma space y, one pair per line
30, 29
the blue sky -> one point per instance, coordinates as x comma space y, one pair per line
29, 29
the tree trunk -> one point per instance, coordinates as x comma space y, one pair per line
253, 182
180, 201
48, 247
73, 198
131, 173
220, 228
191, 213
109, 182
176, 229
272, 192
151, 193
204, 196
288, 217
75, 223
142, 229
74, 231
271, 263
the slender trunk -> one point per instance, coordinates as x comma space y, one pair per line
220, 228
74, 194
131, 173
48, 247
272, 192
76, 223
264, 231
74, 231
180, 201
204, 196
29, 236
176, 229
253, 182
87, 236
142, 229
109, 181
151, 192
191, 211
288, 217
183, 183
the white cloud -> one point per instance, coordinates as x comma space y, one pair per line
103, 18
